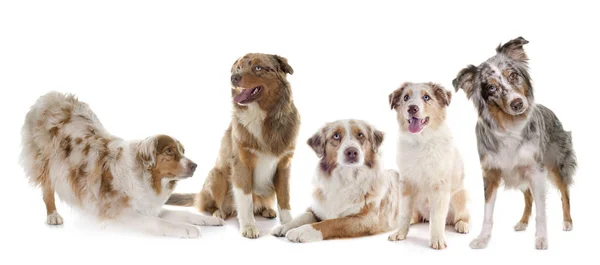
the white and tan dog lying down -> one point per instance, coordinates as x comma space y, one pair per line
429, 163
353, 195
67, 151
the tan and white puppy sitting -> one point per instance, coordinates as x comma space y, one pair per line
429, 163
353, 196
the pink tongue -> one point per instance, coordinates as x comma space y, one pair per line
415, 125
245, 94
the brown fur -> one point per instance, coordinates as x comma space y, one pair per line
278, 130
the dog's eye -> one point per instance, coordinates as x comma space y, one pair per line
406, 97
257, 68
491, 88
169, 151
360, 135
426, 98
336, 136
513, 77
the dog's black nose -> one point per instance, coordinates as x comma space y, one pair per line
413, 109
235, 79
351, 153
516, 104
192, 166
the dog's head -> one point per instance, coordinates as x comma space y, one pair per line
500, 87
346, 143
164, 157
261, 78
420, 105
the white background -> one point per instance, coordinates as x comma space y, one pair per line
149, 67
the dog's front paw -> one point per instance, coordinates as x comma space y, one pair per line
206, 220
285, 216
567, 226
398, 235
268, 213
480, 242
54, 219
520, 226
541, 243
462, 227
304, 234
181, 231
280, 231
250, 231
437, 242
219, 214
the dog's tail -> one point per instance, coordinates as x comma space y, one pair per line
182, 199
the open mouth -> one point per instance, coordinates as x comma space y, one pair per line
415, 124
247, 95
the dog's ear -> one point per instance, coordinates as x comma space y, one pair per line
443, 96
283, 65
317, 142
514, 49
146, 152
378, 137
465, 80
395, 96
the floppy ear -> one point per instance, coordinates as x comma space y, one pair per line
395, 96
283, 64
146, 152
465, 80
378, 137
317, 143
442, 95
514, 49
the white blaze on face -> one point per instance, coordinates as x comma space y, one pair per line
416, 99
349, 140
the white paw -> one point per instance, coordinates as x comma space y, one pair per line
304, 234
219, 214
54, 219
280, 231
206, 220
480, 242
541, 243
181, 231
437, 242
567, 226
285, 216
520, 226
398, 235
462, 227
250, 231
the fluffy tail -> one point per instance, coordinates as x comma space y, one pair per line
179, 199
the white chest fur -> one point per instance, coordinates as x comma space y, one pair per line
343, 193
252, 119
266, 165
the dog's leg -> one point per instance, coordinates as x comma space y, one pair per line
190, 218
565, 197
440, 204
242, 193
491, 181
306, 218
406, 206
219, 189
538, 189
345, 227
461, 213
158, 226
522, 224
52, 216
282, 189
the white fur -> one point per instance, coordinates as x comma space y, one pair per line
304, 234
245, 213
252, 119
284, 215
262, 180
